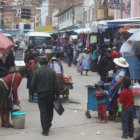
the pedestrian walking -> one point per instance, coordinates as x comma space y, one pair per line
45, 83
69, 52
101, 102
86, 61
32, 66
8, 94
127, 101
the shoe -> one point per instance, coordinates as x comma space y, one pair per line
131, 136
124, 137
8, 125
45, 132
50, 125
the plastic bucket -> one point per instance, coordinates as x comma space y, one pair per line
18, 118
35, 98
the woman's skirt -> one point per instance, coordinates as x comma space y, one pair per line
5, 101
60, 80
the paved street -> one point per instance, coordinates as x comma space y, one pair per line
72, 124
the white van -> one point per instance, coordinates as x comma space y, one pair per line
38, 38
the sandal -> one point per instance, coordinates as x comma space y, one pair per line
99, 121
9, 126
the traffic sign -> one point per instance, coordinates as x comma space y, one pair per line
115, 5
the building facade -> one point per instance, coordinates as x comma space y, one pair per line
55, 19
131, 9
95, 10
18, 12
70, 18
61, 5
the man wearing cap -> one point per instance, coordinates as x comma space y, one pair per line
115, 86
106, 64
45, 83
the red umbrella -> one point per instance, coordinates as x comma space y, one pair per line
5, 43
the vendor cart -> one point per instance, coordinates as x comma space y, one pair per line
91, 104
65, 92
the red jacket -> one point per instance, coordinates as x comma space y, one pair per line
17, 80
126, 98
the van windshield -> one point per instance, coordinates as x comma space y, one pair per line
40, 40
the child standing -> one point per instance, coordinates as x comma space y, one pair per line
126, 99
101, 102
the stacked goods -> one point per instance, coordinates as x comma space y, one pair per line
67, 79
136, 91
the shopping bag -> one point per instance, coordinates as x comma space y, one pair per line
58, 107
79, 68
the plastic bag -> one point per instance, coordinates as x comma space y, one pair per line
58, 107
79, 67
119, 107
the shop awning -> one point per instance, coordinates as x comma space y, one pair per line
82, 30
115, 23
5, 43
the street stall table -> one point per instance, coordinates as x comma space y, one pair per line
91, 101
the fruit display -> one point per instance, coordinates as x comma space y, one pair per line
67, 79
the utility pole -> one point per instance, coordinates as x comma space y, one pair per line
121, 9
0, 15
73, 13
95, 10
105, 9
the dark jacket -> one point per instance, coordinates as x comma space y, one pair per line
106, 64
69, 50
10, 61
45, 81
3, 70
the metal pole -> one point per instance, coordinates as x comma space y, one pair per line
73, 13
52, 13
95, 10
0, 15
121, 9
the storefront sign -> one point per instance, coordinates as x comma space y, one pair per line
43, 28
115, 5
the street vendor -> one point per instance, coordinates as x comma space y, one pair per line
115, 86
57, 66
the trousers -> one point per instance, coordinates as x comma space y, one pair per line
69, 60
101, 109
127, 121
45, 103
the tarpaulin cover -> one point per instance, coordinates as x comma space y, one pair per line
5, 43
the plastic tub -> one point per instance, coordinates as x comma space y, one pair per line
18, 119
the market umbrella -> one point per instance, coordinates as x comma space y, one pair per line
5, 43
132, 46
